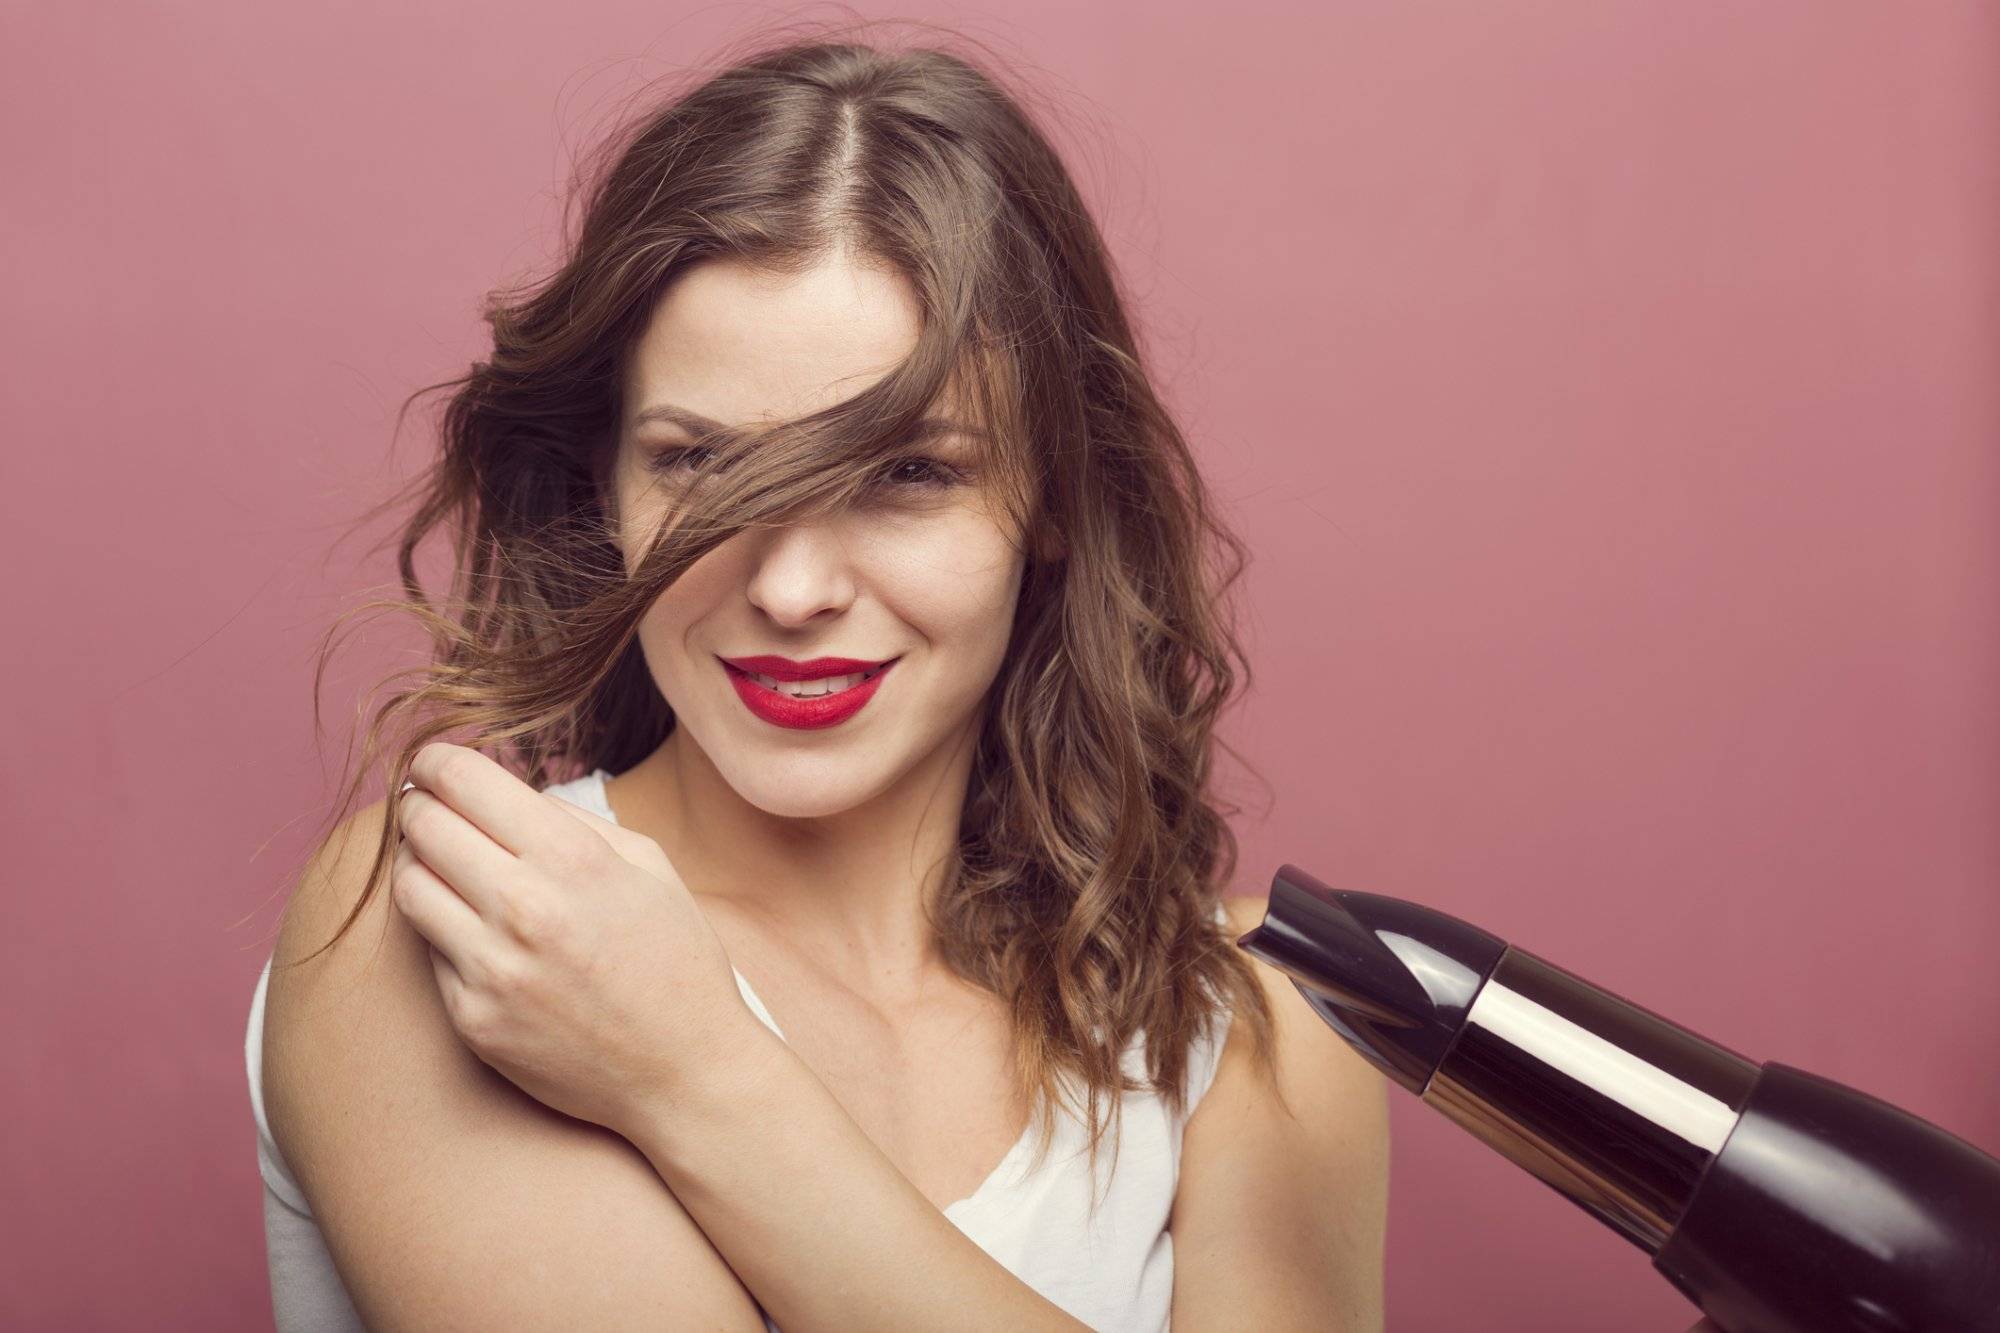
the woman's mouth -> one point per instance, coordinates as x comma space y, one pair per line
806, 704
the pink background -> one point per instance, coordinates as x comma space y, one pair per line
1607, 390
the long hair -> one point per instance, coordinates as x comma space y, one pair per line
1091, 855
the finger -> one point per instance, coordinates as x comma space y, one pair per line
450, 984
611, 831
589, 819
458, 852
494, 801
443, 918
635, 847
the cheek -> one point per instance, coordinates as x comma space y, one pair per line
957, 581
663, 630
643, 506
634, 526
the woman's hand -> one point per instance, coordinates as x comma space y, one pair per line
571, 957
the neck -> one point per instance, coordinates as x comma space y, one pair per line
848, 888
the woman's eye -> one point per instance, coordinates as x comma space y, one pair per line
673, 460
928, 473
915, 472
903, 473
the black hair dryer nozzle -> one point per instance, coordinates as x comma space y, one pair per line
1777, 1201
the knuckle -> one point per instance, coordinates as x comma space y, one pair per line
653, 857
451, 765
502, 976
404, 877
474, 1019
417, 811
579, 853
530, 919
424, 763
457, 1004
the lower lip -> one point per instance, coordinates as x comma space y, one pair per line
804, 714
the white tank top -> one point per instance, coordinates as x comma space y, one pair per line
1112, 1271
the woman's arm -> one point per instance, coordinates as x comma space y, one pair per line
574, 963
814, 1219
1278, 1222
448, 1197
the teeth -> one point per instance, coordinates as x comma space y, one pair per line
813, 689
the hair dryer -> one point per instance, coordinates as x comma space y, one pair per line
1776, 1200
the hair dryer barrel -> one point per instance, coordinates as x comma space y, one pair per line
1774, 1199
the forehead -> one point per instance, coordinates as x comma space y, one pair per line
741, 345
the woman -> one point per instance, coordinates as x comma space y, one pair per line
790, 1011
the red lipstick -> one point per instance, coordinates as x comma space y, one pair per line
786, 711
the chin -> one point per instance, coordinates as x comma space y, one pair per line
806, 791
787, 806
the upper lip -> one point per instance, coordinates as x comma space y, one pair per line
784, 668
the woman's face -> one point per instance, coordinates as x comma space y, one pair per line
924, 572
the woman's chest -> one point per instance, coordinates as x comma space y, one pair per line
930, 1083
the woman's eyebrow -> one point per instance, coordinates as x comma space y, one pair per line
929, 428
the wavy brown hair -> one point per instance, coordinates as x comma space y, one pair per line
1091, 855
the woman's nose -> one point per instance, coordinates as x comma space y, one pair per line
800, 571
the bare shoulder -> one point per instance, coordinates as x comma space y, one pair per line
1279, 1218
448, 1197
1244, 910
